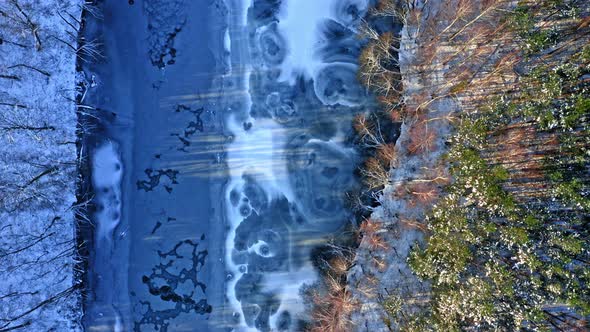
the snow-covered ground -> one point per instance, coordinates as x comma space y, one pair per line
38, 288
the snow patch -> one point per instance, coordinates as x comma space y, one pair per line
107, 172
300, 23
227, 41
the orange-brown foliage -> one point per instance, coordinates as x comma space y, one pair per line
331, 313
380, 263
396, 114
372, 279
391, 103
413, 224
439, 174
333, 284
375, 174
424, 193
367, 290
370, 227
386, 153
339, 265
361, 124
376, 242
421, 138
371, 230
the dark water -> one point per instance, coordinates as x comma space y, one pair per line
229, 123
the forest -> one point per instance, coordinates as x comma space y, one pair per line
493, 100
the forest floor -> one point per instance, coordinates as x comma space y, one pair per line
38, 165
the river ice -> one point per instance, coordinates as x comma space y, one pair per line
225, 143
289, 161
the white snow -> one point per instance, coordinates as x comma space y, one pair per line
258, 152
289, 286
299, 23
227, 41
38, 169
106, 167
107, 172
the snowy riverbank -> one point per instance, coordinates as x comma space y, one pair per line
39, 290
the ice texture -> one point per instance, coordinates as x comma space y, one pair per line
288, 158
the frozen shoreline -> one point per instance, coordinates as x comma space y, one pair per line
39, 282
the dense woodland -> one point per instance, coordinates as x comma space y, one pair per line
504, 189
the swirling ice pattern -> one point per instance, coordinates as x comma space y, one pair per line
288, 161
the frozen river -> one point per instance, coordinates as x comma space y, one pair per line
220, 159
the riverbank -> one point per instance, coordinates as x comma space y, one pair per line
40, 288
